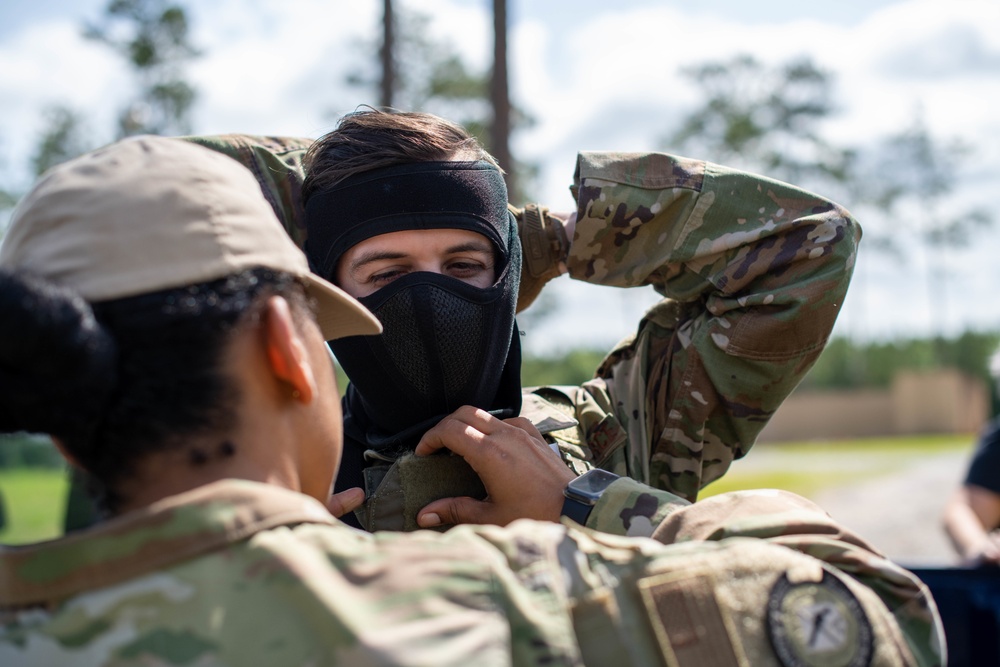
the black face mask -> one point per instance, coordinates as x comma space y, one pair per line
445, 343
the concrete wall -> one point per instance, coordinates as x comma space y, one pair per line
945, 401
941, 401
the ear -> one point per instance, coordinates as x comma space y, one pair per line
286, 350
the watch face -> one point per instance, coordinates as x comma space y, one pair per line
591, 484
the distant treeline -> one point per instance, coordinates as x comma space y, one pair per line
20, 450
573, 367
844, 364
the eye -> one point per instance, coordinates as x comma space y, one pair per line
465, 266
385, 277
469, 266
466, 269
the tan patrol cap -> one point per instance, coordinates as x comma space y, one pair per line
150, 213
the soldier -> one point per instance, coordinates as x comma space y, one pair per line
162, 328
754, 273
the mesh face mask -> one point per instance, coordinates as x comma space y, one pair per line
445, 343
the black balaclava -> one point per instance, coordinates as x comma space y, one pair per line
445, 343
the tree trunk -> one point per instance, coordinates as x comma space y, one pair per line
388, 63
500, 96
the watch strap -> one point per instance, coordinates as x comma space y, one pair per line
576, 510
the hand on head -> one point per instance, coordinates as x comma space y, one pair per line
523, 476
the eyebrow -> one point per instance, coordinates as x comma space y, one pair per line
373, 256
377, 255
470, 246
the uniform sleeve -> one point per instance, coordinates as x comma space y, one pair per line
754, 271
785, 519
746, 578
630, 508
276, 163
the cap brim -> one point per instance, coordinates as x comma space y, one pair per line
337, 313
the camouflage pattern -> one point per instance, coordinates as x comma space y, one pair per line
276, 162
633, 509
753, 272
240, 573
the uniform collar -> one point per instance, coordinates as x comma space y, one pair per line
155, 537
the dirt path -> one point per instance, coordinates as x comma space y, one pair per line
900, 513
898, 510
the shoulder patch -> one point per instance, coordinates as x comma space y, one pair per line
818, 624
605, 437
690, 626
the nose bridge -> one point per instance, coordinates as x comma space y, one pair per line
429, 261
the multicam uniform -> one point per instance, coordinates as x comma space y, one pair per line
241, 573
753, 270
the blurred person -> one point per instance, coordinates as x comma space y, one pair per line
159, 325
972, 515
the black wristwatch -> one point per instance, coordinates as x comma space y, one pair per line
584, 492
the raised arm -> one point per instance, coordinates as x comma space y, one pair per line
754, 271
276, 163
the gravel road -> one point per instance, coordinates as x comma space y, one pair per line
900, 513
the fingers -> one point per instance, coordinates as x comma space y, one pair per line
453, 511
523, 477
463, 432
525, 425
346, 501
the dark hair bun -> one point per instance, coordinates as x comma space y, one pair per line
57, 363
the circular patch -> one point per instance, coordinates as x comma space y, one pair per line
818, 624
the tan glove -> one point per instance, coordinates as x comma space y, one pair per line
544, 247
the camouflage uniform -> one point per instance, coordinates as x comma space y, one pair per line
241, 573
753, 270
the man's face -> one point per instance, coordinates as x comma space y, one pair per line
376, 262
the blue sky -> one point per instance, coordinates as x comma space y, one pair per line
596, 76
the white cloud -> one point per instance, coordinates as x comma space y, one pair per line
623, 86
44, 65
593, 79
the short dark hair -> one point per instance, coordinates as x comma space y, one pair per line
373, 138
118, 380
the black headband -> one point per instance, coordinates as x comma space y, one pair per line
423, 195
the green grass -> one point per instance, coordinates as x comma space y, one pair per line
803, 483
880, 456
927, 444
34, 500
